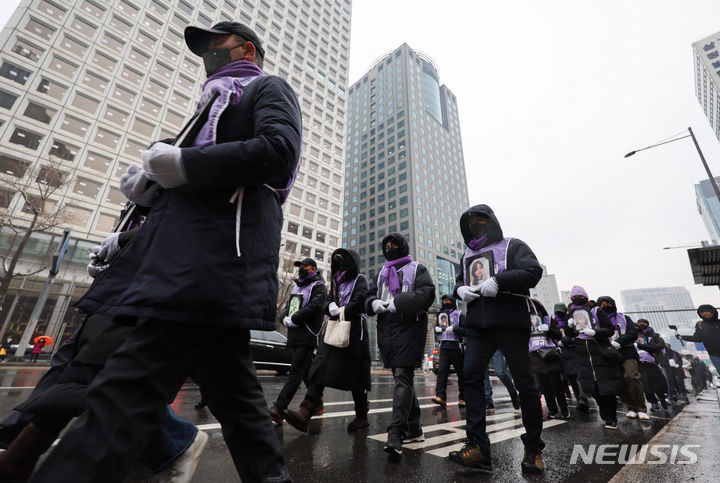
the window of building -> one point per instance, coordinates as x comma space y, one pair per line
77, 216
14, 73
150, 108
162, 69
124, 95
75, 126
94, 81
157, 88
85, 103
97, 162
174, 118
39, 29
115, 197
105, 223
132, 76
51, 9
120, 25
63, 150
128, 9
147, 41
13, 166
293, 228
319, 255
142, 127
83, 26
115, 115
107, 138
7, 100
320, 237
6, 197
133, 149
305, 250
185, 7
23, 137
113, 43
290, 246
87, 187
51, 176
93, 9
27, 50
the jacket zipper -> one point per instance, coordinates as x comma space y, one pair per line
591, 361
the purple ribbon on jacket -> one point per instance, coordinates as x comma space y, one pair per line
390, 276
229, 83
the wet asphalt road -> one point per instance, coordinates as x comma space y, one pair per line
328, 453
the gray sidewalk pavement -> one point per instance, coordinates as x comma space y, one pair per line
697, 424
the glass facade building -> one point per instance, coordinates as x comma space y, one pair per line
709, 208
707, 78
404, 166
89, 84
662, 306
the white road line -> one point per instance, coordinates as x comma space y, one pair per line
494, 437
17, 387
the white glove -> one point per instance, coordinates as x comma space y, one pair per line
95, 270
489, 287
136, 186
673, 363
467, 294
589, 332
107, 249
391, 307
449, 329
287, 322
163, 163
615, 345
438, 329
543, 328
571, 322
333, 309
378, 306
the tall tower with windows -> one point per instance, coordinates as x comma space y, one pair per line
86, 85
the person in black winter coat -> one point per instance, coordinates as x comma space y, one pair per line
707, 331
303, 316
344, 368
598, 360
546, 363
650, 347
450, 328
202, 268
623, 340
400, 297
498, 317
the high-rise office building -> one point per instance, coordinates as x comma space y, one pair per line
404, 168
709, 208
707, 78
89, 84
546, 291
662, 306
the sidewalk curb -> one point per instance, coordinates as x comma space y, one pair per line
696, 424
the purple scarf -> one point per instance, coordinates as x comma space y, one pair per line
477, 243
390, 276
229, 82
339, 276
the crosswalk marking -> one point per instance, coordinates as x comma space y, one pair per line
494, 437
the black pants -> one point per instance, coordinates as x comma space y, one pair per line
299, 367
127, 400
480, 346
315, 395
455, 357
607, 404
406, 409
553, 389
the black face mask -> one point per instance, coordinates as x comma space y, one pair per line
392, 254
215, 60
479, 229
609, 309
448, 306
303, 272
579, 300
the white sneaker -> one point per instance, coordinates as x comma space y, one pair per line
182, 469
632, 415
644, 417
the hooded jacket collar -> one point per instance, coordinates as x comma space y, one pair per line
494, 235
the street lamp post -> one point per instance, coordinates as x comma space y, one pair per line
702, 158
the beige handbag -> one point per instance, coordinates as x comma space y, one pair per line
337, 332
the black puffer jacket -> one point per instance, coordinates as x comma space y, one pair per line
401, 335
707, 331
309, 318
626, 340
593, 366
183, 265
522, 273
347, 368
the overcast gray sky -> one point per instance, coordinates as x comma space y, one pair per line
551, 95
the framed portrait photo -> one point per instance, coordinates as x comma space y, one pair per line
582, 317
479, 268
294, 303
443, 320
